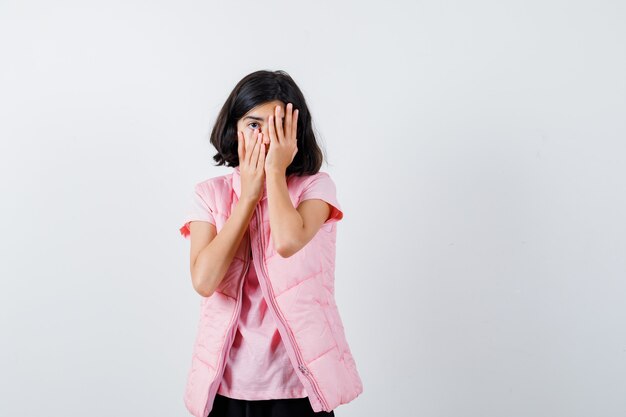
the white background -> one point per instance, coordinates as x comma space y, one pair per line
478, 152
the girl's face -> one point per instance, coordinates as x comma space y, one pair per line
256, 119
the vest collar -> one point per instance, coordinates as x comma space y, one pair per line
237, 184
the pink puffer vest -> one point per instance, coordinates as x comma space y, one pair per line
299, 292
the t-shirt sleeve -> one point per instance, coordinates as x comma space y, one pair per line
198, 210
323, 187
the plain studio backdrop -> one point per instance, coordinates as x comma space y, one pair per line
478, 150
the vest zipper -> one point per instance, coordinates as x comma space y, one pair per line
234, 319
301, 366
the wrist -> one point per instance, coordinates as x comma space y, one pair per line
247, 203
275, 173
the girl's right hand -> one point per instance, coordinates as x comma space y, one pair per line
251, 165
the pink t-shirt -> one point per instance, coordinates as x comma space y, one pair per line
258, 367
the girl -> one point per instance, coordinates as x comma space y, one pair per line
270, 340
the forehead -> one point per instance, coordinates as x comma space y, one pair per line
265, 108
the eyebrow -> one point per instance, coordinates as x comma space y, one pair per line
260, 119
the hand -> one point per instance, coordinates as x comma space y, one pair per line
251, 165
283, 143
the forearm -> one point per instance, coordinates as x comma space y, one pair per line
214, 260
285, 221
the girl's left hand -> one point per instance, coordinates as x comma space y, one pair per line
283, 144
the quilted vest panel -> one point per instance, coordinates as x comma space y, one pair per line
299, 291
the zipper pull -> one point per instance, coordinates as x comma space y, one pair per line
303, 369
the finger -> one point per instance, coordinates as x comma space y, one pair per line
288, 121
280, 134
246, 140
250, 145
240, 146
261, 163
272, 129
294, 125
261, 150
266, 135
255, 152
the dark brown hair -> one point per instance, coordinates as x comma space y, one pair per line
255, 89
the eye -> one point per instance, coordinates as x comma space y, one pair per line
253, 123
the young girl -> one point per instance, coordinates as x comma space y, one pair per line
270, 340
